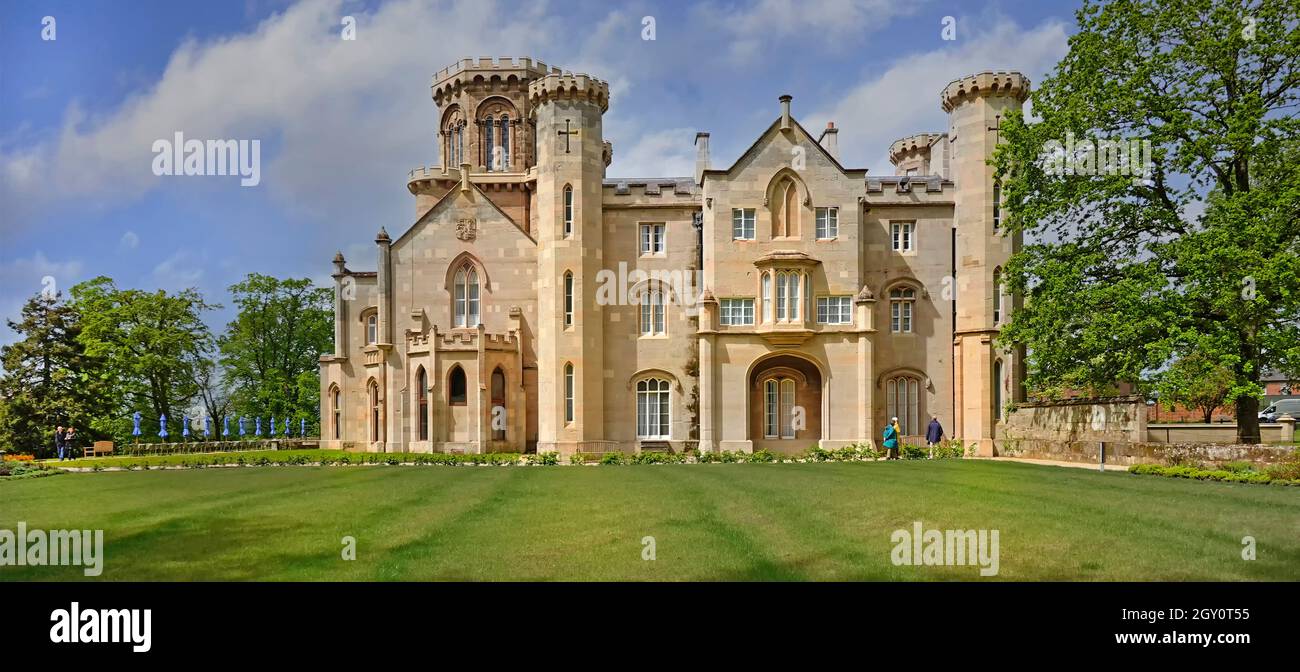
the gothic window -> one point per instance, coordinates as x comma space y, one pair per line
997, 390
453, 132
903, 401
997, 203
489, 147
568, 392
505, 143
652, 409
901, 302
465, 297
788, 288
498, 401
422, 402
778, 408
336, 411
568, 298
785, 210
652, 311
372, 329
767, 297
568, 211
457, 389
372, 392
997, 296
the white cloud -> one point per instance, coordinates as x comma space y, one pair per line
177, 272
667, 153
129, 241
903, 98
816, 23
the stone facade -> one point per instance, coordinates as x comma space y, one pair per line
777, 303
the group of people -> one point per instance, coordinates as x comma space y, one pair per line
933, 435
64, 439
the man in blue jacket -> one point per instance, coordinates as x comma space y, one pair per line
933, 433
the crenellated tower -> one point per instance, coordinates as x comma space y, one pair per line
985, 377
571, 159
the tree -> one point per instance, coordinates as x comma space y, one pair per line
48, 379
271, 350
1121, 273
150, 342
1196, 381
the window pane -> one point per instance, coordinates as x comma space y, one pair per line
795, 281
787, 409
771, 409
780, 296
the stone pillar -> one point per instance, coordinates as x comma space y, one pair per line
708, 334
342, 283
864, 305
1288, 428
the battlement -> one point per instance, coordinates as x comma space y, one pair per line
497, 74
984, 84
569, 86
919, 143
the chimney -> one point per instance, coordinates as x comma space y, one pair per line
830, 140
785, 111
701, 156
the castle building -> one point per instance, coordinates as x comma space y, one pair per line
780, 302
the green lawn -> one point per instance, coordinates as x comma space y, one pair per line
722, 522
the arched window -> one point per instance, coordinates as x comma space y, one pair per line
454, 135
568, 298
568, 211
903, 401
505, 143
489, 147
465, 297
997, 390
778, 408
767, 297
997, 296
372, 392
460, 144
902, 300
653, 409
457, 389
568, 392
498, 405
997, 203
785, 210
652, 311
336, 411
422, 402
372, 329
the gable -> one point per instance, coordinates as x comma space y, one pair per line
770, 136
464, 218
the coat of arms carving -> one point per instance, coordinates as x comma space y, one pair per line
466, 229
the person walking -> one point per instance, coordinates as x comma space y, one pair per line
933, 434
58, 441
70, 442
891, 439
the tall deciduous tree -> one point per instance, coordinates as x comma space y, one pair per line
1196, 381
150, 342
48, 380
271, 351
1199, 253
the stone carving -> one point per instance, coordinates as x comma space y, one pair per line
466, 229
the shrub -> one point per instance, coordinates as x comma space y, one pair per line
819, 454
951, 449
912, 452
19, 457
658, 458
579, 458
709, 457
1288, 469
1239, 467
1225, 475
612, 457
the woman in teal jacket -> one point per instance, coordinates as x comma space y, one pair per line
891, 438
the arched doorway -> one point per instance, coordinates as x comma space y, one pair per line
785, 404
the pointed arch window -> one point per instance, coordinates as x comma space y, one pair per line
778, 408
997, 295
568, 392
997, 390
457, 389
997, 203
652, 311
336, 411
903, 401
785, 212
489, 147
372, 329
498, 402
767, 297
653, 417
902, 300
568, 298
372, 393
422, 402
568, 211
465, 297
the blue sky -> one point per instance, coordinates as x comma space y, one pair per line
341, 122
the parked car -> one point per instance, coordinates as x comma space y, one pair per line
1276, 409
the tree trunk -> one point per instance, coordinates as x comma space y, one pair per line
1248, 420
1209, 414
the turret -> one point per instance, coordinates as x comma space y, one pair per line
986, 377
568, 110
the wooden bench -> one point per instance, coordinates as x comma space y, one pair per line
99, 449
